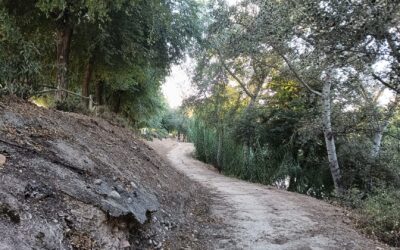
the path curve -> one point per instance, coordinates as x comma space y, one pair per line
262, 217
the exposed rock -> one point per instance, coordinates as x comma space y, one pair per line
134, 186
125, 244
2, 160
97, 181
115, 195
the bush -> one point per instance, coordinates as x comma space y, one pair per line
72, 104
21, 90
381, 216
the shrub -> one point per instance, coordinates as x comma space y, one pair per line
21, 90
381, 216
71, 104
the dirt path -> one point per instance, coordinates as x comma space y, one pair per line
262, 217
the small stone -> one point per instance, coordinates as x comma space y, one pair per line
134, 186
347, 221
98, 181
129, 200
125, 244
123, 225
2, 160
120, 188
114, 195
150, 242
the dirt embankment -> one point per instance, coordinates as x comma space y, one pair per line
77, 182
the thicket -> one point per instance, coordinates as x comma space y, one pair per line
305, 95
114, 54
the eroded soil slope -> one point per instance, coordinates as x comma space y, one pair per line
77, 182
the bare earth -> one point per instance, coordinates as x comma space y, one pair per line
262, 217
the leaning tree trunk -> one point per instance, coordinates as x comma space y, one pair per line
86, 82
329, 137
377, 140
378, 135
64, 35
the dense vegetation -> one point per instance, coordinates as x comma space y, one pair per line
300, 94
119, 52
304, 95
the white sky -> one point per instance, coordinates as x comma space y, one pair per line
178, 85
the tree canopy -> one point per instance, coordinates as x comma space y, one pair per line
118, 51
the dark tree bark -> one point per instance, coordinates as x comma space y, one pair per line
100, 92
64, 36
117, 102
220, 147
86, 81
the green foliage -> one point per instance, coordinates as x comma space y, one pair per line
72, 104
19, 65
381, 216
130, 46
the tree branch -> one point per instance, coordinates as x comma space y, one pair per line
385, 83
297, 75
393, 47
234, 76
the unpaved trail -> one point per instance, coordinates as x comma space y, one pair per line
262, 217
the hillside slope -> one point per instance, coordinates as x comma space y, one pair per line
77, 182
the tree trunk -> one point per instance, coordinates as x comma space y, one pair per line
329, 137
117, 99
99, 92
246, 157
64, 35
378, 135
377, 140
86, 81
292, 184
220, 147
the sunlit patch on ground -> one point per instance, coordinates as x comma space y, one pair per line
40, 102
